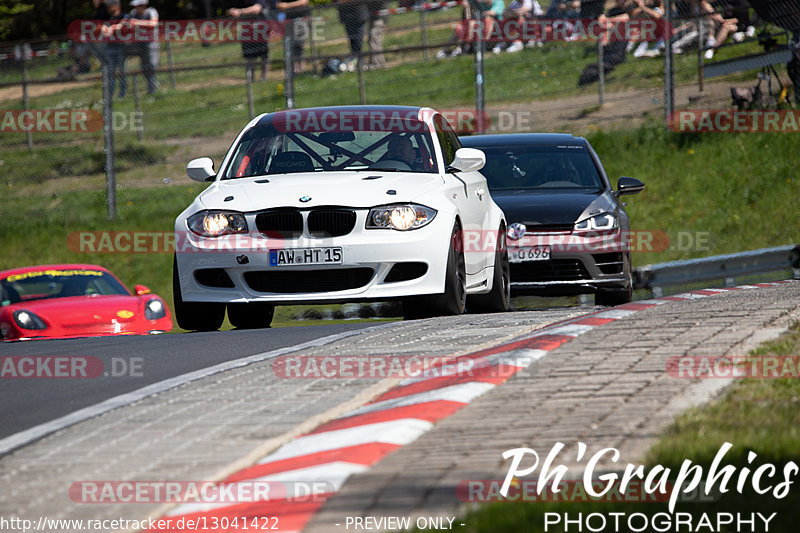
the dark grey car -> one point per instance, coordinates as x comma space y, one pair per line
568, 231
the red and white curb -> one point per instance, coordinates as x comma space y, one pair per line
355, 441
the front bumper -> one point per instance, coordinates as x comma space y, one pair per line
240, 272
580, 263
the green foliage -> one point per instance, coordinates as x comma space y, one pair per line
9, 11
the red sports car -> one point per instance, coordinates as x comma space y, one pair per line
75, 301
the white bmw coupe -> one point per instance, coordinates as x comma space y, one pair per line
340, 204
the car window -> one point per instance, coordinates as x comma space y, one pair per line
540, 167
264, 151
447, 139
58, 283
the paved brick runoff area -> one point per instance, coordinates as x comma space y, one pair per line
212, 427
606, 388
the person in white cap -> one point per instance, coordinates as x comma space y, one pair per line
148, 51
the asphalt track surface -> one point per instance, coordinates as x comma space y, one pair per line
133, 362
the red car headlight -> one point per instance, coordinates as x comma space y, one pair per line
28, 320
154, 309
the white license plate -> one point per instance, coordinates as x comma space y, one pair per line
306, 256
529, 253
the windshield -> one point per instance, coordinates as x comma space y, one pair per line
58, 283
540, 167
265, 151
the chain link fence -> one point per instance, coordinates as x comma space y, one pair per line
74, 160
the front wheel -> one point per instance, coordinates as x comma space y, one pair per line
453, 301
498, 300
614, 297
194, 316
617, 296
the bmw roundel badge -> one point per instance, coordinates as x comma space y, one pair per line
305, 199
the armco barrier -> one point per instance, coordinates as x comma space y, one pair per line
727, 267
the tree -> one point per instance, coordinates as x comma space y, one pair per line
10, 11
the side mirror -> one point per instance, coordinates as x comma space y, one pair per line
139, 290
627, 185
201, 169
467, 160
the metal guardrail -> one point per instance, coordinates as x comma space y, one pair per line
722, 68
727, 267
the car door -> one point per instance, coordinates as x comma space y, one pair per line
471, 198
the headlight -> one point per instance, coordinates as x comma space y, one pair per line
605, 221
154, 309
28, 320
217, 223
516, 231
400, 217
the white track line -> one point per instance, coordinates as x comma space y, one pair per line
400, 432
461, 393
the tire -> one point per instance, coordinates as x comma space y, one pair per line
498, 300
453, 301
255, 315
194, 316
614, 297
617, 296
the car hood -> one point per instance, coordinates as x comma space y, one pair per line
354, 189
556, 208
74, 311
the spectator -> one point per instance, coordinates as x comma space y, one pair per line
703, 18
147, 51
100, 10
560, 9
725, 27
518, 11
650, 9
488, 12
252, 50
114, 52
619, 12
456, 45
79, 53
297, 13
358, 17
376, 28
353, 16
563, 10
745, 23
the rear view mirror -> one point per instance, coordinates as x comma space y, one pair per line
140, 290
627, 185
467, 160
201, 169
336, 136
